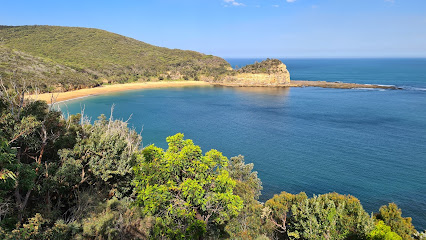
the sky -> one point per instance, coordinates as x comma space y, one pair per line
245, 28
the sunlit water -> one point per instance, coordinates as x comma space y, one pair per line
368, 143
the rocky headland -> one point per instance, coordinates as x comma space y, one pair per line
274, 73
271, 72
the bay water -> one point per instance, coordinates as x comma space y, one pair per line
367, 143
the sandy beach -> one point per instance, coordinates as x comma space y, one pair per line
64, 96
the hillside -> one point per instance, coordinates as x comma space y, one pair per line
74, 57
47, 76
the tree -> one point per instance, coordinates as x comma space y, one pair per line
56, 166
383, 232
102, 156
327, 216
30, 127
189, 193
391, 215
7, 157
278, 210
248, 224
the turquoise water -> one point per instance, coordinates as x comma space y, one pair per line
368, 143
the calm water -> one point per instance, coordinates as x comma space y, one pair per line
368, 143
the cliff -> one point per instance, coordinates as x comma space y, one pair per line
271, 72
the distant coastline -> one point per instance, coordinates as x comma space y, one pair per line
81, 93
322, 84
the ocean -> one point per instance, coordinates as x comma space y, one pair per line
370, 143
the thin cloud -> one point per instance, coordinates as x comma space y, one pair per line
291, 1
276, 6
234, 3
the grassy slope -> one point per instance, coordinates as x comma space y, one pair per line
98, 55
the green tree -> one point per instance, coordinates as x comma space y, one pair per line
187, 192
30, 127
63, 167
102, 156
278, 211
7, 157
391, 215
328, 216
383, 232
248, 224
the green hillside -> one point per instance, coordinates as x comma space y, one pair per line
40, 73
86, 57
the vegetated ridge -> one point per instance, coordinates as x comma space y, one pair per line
54, 58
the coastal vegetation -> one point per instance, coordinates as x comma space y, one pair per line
269, 66
70, 178
48, 59
54, 58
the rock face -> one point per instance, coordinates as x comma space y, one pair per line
271, 72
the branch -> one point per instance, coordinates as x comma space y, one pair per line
281, 227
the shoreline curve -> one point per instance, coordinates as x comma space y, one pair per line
104, 89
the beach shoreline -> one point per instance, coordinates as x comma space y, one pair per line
104, 89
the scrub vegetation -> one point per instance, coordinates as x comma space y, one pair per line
54, 58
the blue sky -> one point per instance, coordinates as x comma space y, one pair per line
246, 28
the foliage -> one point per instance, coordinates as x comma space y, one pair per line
70, 58
188, 192
267, 66
63, 167
383, 232
391, 215
248, 224
328, 216
102, 156
37, 227
79, 176
248, 185
117, 220
32, 130
6, 158
17, 67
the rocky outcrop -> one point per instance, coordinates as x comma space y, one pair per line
271, 72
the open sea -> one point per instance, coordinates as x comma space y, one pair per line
367, 143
